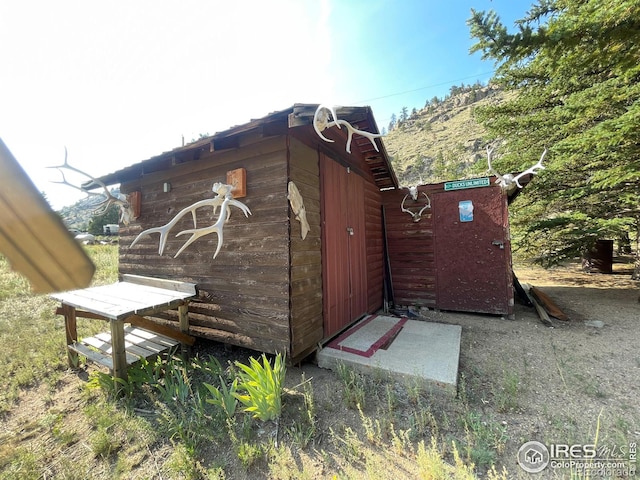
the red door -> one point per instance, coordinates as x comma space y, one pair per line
344, 278
472, 251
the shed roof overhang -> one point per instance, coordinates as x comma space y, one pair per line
283, 122
375, 157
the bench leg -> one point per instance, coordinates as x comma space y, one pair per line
71, 331
183, 315
118, 353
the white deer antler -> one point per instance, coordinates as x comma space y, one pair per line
223, 199
532, 170
126, 211
413, 193
321, 122
507, 180
504, 182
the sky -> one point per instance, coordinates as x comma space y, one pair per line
119, 82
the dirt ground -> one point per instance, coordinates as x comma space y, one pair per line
569, 374
563, 384
566, 384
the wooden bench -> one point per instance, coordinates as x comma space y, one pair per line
126, 302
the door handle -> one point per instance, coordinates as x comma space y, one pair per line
498, 243
350, 230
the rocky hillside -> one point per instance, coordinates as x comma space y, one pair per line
442, 141
79, 215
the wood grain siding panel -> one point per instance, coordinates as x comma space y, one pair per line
306, 257
243, 292
357, 246
411, 252
374, 245
268, 150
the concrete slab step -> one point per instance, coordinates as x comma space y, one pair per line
403, 348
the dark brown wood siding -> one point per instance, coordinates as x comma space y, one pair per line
411, 249
375, 247
244, 291
306, 261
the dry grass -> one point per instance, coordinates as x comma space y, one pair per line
31, 334
333, 425
57, 425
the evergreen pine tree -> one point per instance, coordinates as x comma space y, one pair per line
575, 68
392, 122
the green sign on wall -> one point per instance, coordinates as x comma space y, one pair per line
462, 184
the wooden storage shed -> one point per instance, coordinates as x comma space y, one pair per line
268, 289
457, 256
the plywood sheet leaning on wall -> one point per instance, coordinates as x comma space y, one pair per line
33, 237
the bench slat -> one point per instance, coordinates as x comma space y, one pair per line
99, 358
175, 285
102, 342
138, 343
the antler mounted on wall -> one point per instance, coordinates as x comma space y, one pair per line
321, 122
223, 199
414, 194
126, 209
507, 181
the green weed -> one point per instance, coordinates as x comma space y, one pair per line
506, 395
224, 397
372, 428
484, 439
303, 430
354, 386
421, 422
22, 463
183, 463
249, 453
262, 385
401, 441
349, 445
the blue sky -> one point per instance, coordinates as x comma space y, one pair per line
119, 82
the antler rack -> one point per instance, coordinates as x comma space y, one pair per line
126, 211
414, 194
223, 199
508, 180
321, 122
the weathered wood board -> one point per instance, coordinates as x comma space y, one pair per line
33, 237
